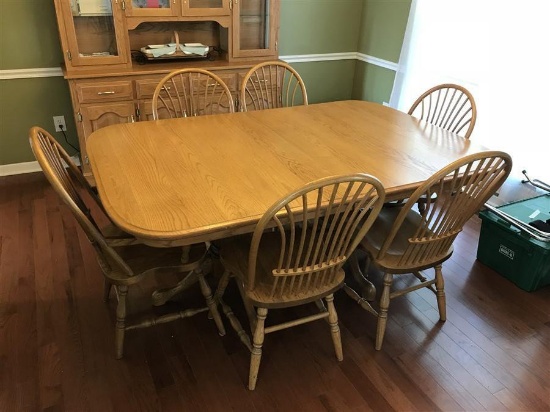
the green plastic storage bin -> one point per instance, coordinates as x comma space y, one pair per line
512, 253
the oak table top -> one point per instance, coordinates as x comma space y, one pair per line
187, 180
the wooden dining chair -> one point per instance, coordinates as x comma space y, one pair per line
402, 241
449, 106
191, 92
270, 85
299, 261
123, 261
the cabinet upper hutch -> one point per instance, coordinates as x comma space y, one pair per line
101, 42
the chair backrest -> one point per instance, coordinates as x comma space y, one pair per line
270, 85
67, 181
460, 190
191, 92
317, 228
449, 106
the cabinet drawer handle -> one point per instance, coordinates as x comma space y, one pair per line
260, 81
167, 88
108, 92
212, 84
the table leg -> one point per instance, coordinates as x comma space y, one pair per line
161, 296
368, 290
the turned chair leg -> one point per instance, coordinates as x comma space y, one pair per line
120, 321
383, 313
256, 353
334, 329
211, 302
440, 288
248, 306
106, 289
222, 285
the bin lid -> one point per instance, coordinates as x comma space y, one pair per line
528, 210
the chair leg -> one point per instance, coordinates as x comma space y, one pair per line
120, 321
440, 287
222, 285
211, 303
383, 313
250, 310
228, 312
106, 289
334, 329
320, 305
367, 289
256, 354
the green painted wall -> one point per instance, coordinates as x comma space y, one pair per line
31, 102
28, 34
372, 83
381, 34
383, 28
328, 80
318, 27
29, 39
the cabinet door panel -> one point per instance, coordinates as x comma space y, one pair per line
152, 8
95, 117
205, 7
255, 24
146, 111
93, 35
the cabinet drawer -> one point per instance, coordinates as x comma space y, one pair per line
99, 92
146, 87
230, 79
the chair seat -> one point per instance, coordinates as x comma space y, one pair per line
378, 233
234, 257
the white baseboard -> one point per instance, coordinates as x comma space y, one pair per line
28, 167
19, 168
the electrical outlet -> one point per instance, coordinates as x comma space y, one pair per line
59, 123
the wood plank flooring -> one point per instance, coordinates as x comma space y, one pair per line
57, 338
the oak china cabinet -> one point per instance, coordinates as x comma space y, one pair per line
112, 80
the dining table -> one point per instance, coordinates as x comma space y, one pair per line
187, 180
178, 182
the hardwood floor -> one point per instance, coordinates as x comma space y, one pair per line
57, 338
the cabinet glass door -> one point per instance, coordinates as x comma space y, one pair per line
255, 23
95, 33
151, 7
205, 7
